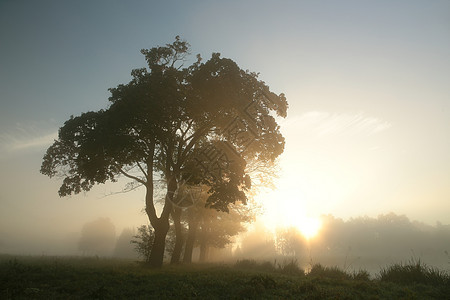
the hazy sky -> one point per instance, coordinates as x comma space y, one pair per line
368, 84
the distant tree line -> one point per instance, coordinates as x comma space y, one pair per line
363, 241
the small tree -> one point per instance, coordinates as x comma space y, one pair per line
143, 241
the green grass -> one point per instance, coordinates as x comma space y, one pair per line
92, 278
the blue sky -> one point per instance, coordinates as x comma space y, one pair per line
367, 83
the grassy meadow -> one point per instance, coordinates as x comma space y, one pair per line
28, 277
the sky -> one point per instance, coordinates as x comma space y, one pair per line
367, 83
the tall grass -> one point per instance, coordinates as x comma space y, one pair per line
414, 272
289, 267
319, 271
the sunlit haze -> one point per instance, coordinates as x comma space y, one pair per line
367, 82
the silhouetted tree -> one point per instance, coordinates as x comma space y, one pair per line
97, 237
166, 119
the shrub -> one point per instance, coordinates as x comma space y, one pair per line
143, 241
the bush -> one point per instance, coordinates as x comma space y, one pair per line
143, 241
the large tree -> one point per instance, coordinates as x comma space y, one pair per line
166, 122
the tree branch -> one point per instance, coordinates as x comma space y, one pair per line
195, 137
124, 191
132, 177
142, 169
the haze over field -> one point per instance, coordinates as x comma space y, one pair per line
366, 82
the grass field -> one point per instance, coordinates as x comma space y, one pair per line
93, 278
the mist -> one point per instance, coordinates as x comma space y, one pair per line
354, 244
357, 243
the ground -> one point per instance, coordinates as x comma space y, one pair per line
97, 278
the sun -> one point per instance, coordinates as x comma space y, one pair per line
308, 226
288, 211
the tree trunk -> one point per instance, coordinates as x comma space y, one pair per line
161, 224
204, 243
204, 251
159, 243
179, 238
190, 241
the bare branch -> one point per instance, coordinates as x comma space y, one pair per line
124, 191
189, 126
142, 169
132, 177
195, 137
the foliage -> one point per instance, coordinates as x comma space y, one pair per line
143, 241
161, 114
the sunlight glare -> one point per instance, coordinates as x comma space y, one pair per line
309, 227
289, 211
